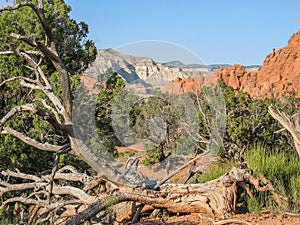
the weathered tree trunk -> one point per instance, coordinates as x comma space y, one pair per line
215, 199
291, 124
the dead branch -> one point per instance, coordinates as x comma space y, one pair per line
17, 109
52, 110
41, 146
56, 190
35, 85
49, 52
17, 78
73, 175
30, 52
88, 213
292, 214
291, 124
9, 173
35, 110
176, 171
74, 192
36, 67
232, 221
216, 198
256, 182
37, 44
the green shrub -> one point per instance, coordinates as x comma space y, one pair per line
254, 205
281, 168
153, 156
110, 201
215, 171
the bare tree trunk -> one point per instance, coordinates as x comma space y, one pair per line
290, 123
215, 199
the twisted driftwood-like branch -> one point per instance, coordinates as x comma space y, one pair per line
51, 52
216, 198
57, 113
290, 123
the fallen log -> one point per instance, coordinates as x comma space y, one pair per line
215, 199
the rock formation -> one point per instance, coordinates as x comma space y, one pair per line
280, 73
190, 84
238, 77
133, 69
281, 70
143, 70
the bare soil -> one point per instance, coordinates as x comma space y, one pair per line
262, 218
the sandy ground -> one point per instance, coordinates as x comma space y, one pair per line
263, 218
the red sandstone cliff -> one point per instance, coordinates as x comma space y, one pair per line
281, 69
280, 73
190, 84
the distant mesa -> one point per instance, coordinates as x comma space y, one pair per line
144, 70
176, 63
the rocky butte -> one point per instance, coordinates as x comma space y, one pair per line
279, 73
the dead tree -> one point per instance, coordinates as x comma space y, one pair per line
59, 116
290, 123
216, 199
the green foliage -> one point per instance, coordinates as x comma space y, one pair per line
75, 51
107, 96
154, 155
248, 122
110, 201
281, 168
143, 122
254, 205
214, 171
160, 116
7, 216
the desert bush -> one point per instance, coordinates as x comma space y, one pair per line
281, 168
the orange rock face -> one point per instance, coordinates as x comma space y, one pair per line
281, 70
280, 73
188, 85
233, 75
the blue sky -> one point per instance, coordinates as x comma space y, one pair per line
218, 31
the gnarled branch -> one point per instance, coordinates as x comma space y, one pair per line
41, 146
291, 124
30, 52
51, 52
35, 110
17, 78
44, 103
